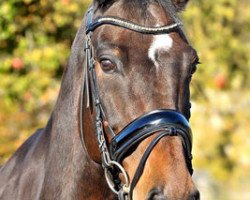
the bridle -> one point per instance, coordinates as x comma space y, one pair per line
162, 123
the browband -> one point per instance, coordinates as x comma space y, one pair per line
116, 21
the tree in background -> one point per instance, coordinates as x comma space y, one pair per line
35, 40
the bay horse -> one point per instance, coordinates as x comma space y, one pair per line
119, 129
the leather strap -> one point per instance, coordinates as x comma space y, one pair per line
144, 158
116, 21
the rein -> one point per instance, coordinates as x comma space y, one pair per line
161, 123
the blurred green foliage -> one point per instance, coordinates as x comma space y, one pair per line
220, 32
35, 40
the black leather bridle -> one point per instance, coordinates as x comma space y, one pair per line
160, 123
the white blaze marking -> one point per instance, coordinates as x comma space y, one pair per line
160, 42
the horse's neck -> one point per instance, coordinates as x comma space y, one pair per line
68, 165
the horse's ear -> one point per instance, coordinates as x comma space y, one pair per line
180, 4
101, 1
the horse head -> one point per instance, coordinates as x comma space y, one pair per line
137, 75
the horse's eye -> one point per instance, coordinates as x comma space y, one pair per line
107, 65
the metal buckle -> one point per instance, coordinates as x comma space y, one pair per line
109, 178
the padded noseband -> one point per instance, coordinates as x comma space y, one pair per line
145, 126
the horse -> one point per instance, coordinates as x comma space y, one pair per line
119, 128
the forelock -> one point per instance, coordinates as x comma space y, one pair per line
141, 7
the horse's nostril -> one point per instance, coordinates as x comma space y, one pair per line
156, 194
195, 195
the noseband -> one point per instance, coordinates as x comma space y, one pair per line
160, 123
